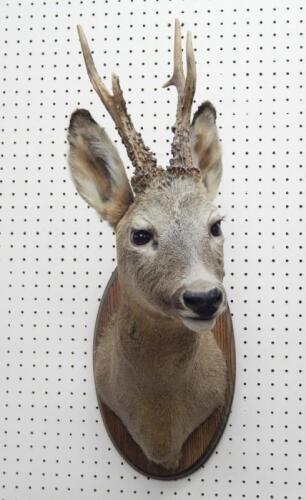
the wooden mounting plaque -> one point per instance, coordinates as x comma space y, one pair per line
203, 440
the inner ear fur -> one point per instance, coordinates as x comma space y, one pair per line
205, 145
96, 168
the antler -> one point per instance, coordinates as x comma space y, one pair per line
180, 148
141, 157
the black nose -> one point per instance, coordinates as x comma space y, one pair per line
205, 304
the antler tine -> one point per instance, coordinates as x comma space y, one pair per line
190, 83
178, 77
141, 157
93, 74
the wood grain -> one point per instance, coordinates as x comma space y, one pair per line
201, 443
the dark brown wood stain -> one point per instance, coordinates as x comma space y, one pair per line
201, 443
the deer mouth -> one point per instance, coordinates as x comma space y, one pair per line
200, 318
203, 318
198, 324
209, 316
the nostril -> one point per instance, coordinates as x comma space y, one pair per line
215, 296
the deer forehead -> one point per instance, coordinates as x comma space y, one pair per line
182, 203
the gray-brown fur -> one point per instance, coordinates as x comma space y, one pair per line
161, 381
158, 366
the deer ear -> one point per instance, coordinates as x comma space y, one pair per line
205, 146
96, 168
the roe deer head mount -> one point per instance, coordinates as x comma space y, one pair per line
158, 366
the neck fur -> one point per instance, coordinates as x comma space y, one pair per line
160, 349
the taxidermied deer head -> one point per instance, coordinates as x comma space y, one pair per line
169, 240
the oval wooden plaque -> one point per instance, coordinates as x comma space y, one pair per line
203, 440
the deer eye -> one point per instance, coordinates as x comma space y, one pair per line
141, 237
216, 228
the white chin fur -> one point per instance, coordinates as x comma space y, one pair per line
199, 326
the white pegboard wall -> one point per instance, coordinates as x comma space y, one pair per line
57, 256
